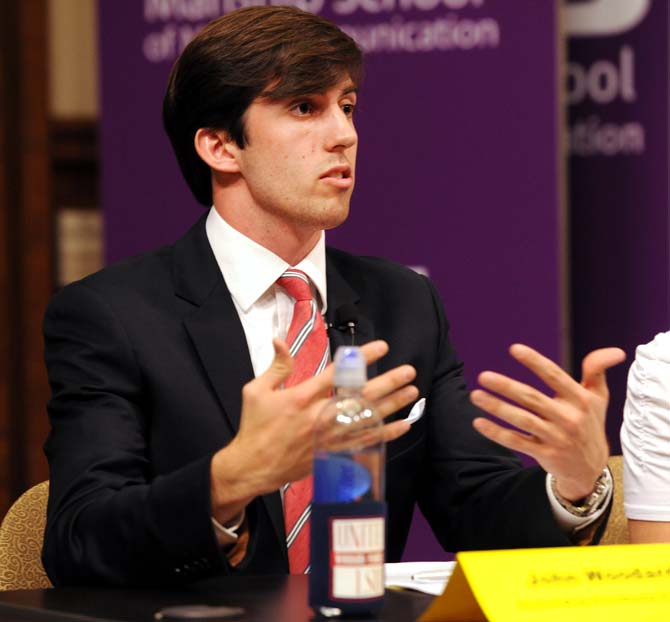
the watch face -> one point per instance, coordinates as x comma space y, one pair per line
591, 503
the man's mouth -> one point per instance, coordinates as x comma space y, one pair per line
339, 176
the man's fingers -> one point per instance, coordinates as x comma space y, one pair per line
367, 437
518, 417
395, 429
280, 368
521, 393
594, 366
374, 350
395, 401
549, 372
321, 384
516, 441
387, 393
378, 387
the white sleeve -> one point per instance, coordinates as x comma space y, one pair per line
645, 434
227, 534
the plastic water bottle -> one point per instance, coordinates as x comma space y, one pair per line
347, 524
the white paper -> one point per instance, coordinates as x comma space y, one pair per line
408, 575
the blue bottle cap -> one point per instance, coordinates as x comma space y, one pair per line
350, 367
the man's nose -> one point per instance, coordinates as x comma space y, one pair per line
341, 131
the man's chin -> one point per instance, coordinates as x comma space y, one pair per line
317, 215
334, 217
332, 224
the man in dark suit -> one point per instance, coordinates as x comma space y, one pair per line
171, 435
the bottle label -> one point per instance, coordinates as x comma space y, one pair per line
347, 556
357, 557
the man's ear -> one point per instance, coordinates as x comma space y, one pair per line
217, 150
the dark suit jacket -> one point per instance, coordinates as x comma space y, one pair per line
146, 361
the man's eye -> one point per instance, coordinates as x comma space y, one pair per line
303, 108
348, 109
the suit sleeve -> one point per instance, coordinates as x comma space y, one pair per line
474, 493
109, 520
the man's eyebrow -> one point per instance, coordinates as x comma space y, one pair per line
347, 90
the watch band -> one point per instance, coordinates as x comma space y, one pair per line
590, 504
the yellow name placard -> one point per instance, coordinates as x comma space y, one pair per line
623, 583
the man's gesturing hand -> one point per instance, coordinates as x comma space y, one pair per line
564, 434
275, 441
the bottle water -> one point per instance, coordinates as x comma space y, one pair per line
347, 524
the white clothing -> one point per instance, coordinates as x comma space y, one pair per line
250, 272
645, 434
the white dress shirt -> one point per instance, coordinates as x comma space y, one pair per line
645, 434
250, 272
265, 309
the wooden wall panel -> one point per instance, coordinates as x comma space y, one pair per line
26, 244
36, 236
8, 198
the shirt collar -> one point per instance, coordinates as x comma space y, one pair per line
250, 269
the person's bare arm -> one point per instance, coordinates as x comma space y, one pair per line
647, 531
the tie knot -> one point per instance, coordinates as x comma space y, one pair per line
296, 283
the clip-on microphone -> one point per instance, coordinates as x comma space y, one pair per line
346, 318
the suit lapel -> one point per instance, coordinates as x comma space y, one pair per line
217, 335
340, 292
219, 339
214, 325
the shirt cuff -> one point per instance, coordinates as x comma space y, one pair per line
227, 535
567, 522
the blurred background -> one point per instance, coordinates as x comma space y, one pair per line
50, 218
514, 150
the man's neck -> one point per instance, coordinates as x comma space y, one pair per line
286, 240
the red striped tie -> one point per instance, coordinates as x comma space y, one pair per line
308, 344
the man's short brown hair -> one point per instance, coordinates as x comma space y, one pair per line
262, 51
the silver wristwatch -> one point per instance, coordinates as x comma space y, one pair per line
592, 502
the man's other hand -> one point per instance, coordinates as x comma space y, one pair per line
565, 433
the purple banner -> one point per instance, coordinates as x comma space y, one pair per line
617, 91
458, 171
